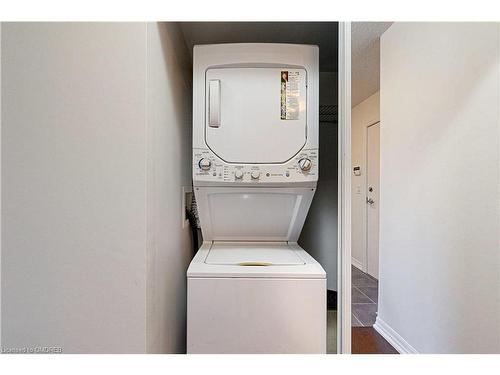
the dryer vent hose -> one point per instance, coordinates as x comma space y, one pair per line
194, 221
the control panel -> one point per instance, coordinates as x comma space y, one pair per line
301, 168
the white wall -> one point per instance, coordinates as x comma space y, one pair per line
0, 185
439, 213
319, 235
365, 113
86, 202
169, 168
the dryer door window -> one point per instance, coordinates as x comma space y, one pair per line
256, 115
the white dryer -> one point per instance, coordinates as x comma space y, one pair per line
251, 288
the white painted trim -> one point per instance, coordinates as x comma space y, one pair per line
356, 263
395, 339
344, 189
364, 163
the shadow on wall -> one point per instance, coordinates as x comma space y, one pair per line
169, 138
319, 235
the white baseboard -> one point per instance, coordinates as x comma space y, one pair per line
399, 343
356, 263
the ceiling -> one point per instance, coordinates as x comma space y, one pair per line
323, 34
365, 44
365, 59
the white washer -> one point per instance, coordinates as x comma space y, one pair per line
251, 288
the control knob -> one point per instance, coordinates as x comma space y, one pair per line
305, 164
205, 164
238, 174
255, 175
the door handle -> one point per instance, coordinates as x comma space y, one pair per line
369, 200
214, 103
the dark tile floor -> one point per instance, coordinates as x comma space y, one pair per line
364, 298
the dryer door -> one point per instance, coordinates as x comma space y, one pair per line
256, 115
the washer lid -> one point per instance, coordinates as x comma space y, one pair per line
257, 214
199, 268
253, 254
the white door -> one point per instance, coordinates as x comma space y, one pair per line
372, 197
256, 115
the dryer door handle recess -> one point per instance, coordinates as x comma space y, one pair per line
214, 103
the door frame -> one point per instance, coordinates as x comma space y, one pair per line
365, 183
344, 190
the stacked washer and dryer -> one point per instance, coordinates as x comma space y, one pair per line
251, 287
